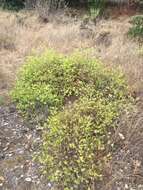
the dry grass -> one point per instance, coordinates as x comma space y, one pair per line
126, 168
22, 32
122, 51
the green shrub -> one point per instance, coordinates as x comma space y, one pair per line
83, 99
137, 26
38, 84
75, 144
51, 80
96, 7
12, 4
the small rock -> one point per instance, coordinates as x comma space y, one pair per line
121, 136
49, 185
10, 155
35, 177
21, 152
140, 187
5, 124
28, 179
1, 179
126, 186
137, 163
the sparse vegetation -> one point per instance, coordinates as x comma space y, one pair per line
7, 42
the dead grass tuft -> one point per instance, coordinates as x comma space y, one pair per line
7, 42
121, 51
126, 168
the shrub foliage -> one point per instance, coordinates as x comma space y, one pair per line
12, 4
52, 80
137, 26
75, 144
83, 99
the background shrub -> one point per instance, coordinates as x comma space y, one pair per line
137, 26
96, 7
12, 4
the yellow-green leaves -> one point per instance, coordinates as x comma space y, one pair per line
76, 141
82, 99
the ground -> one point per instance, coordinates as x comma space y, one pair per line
22, 34
18, 142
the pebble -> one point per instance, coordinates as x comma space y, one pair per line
5, 124
140, 187
20, 151
126, 186
121, 136
1, 178
49, 185
9, 155
1, 181
28, 179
